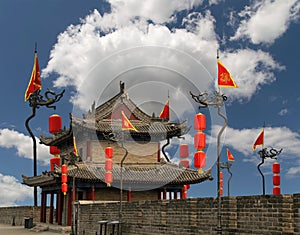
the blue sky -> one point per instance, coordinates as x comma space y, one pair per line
156, 46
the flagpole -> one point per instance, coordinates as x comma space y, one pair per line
36, 101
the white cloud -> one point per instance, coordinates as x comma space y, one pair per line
275, 137
156, 10
144, 53
265, 21
283, 112
23, 145
12, 192
250, 70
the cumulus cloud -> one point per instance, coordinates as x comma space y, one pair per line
23, 145
265, 21
155, 10
242, 140
12, 192
96, 54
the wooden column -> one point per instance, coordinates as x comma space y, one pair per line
93, 193
69, 218
60, 204
129, 195
158, 153
164, 194
175, 195
159, 195
51, 207
42, 207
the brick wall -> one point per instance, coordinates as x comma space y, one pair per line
240, 215
8, 214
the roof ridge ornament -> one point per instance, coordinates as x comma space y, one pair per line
122, 87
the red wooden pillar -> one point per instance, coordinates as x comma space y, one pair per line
158, 153
164, 194
93, 193
51, 208
56, 211
129, 196
60, 203
158, 195
69, 219
43, 207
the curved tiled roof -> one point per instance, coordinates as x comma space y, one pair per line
132, 173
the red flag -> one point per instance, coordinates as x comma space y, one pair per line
165, 113
259, 140
35, 79
224, 77
229, 156
126, 124
75, 151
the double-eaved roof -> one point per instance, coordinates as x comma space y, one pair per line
106, 119
141, 174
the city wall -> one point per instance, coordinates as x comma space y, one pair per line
239, 215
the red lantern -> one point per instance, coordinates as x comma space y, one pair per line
276, 190
188, 186
64, 188
185, 188
276, 180
55, 161
199, 159
108, 165
199, 122
64, 178
221, 175
276, 168
64, 169
199, 140
184, 150
221, 184
55, 123
221, 191
54, 150
185, 163
108, 152
108, 178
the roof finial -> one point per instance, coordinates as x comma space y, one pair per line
122, 87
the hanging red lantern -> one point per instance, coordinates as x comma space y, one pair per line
200, 159
108, 152
276, 180
200, 140
55, 123
276, 190
55, 161
54, 150
108, 164
64, 178
184, 150
108, 178
64, 188
199, 122
221, 175
221, 191
64, 169
185, 163
276, 168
